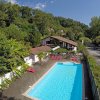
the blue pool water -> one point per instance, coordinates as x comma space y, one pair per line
63, 82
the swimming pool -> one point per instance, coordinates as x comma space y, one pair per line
62, 82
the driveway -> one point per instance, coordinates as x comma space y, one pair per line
95, 53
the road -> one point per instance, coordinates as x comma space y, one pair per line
95, 53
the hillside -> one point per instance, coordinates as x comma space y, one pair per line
22, 27
31, 25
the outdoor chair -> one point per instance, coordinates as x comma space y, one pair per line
53, 57
30, 70
74, 59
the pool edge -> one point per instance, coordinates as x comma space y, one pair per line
26, 92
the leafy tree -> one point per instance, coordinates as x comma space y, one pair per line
12, 54
97, 40
26, 12
23, 25
95, 27
41, 56
34, 37
85, 40
23, 18
60, 50
14, 32
95, 21
3, 18
12, 11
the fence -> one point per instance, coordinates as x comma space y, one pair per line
9, 75
95, 89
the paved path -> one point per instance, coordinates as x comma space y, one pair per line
95, 53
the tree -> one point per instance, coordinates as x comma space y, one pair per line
26, 12
85, 40
12, 54
15, 33
34, 37
60, 50
41, 56
12, 11
3, 18
95, 27
97, 40
23, 25
95, 21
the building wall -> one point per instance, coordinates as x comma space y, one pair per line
75, 49
61, 44
36, 58
45, 40
29, 60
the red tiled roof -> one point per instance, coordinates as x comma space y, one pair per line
40, 49
64, 40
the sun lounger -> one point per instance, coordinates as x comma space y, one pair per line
30, 70
58, 58
53, 57
74, 59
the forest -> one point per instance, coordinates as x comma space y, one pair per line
22, 28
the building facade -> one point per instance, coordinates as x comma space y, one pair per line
54, 41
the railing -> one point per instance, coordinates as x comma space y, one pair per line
95, 89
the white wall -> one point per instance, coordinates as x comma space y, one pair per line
75, 49
1, 79
8, 75
36, 58
31, 59
28, 60
55, 48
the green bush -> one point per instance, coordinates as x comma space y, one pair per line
92, 63
5, 84
86, 40
82, 49
61, 50
96, 74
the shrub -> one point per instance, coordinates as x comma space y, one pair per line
85, 40
92, 63
60, 50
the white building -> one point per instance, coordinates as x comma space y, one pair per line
54, 41
33, 58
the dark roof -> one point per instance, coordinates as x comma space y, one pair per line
37, 50
65, 40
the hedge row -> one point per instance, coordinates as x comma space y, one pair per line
92, 63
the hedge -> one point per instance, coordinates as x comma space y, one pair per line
92, 63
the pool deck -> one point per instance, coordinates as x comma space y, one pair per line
21, 85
